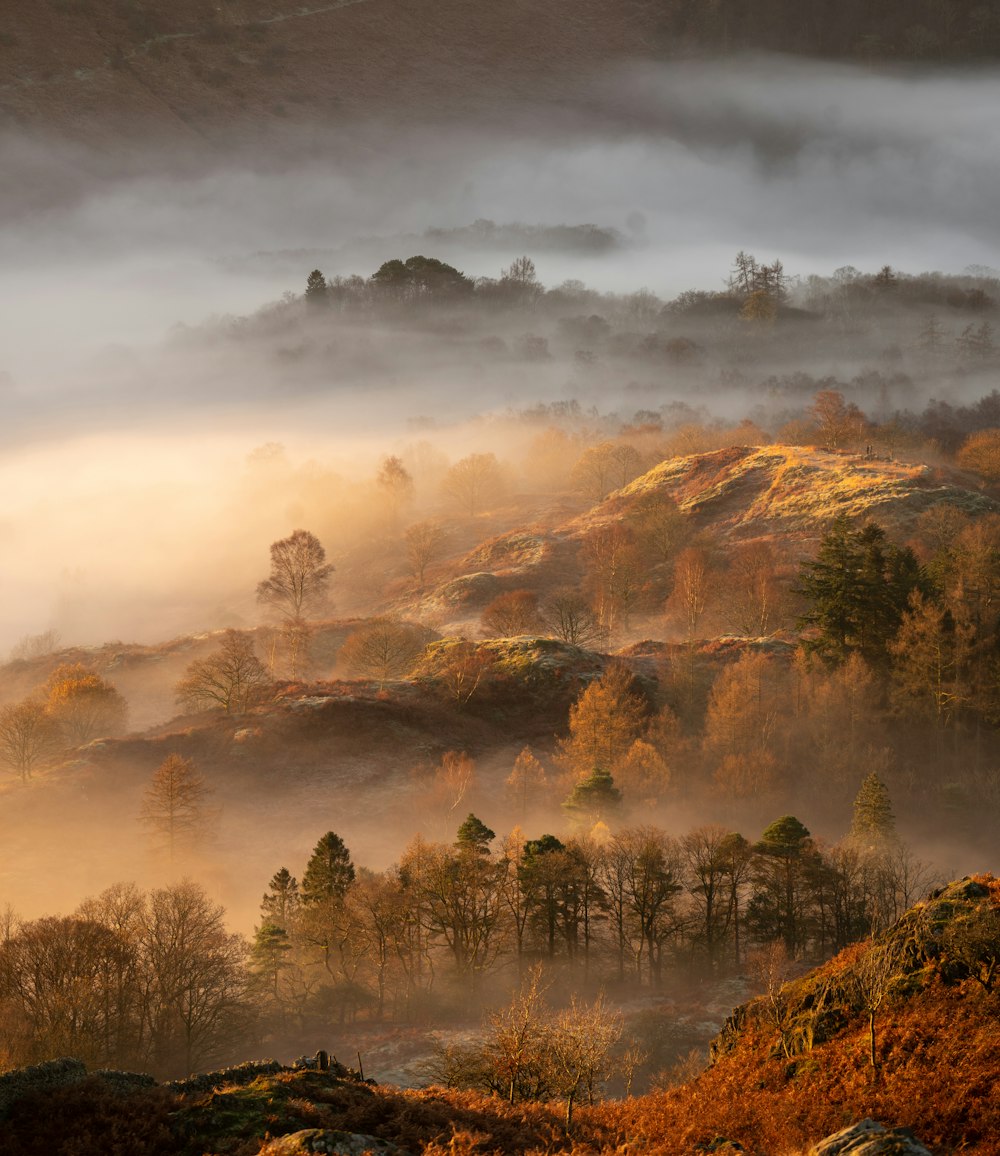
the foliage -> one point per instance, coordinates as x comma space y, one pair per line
84, 705
858, 588
329, 872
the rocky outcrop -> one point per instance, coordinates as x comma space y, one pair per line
58, 1074
869, 1138
313, 1141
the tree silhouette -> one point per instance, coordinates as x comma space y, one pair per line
28, 736
173, 807
329, 872
232, 678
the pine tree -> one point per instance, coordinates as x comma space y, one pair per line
474, 835
873, 823
282, 898
858, 586
594, 796
316, 289
329, 872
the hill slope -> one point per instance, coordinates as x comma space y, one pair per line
773, 1086
788, 495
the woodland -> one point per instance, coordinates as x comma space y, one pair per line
649, 711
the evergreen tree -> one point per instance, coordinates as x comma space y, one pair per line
474, 835
858, 586
594, 795
316, 289
329, 872
268, 957
282, 898
873, 823
782, 859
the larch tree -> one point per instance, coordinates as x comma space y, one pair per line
604, 722
84, 705
526, 780
174, 807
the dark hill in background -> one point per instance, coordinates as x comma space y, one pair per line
189, 70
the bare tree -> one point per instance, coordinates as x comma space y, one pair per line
474, 481
383, 649
511, 614
299, 582
174, 805
28, 736
395, 484
569, 616
34, 646
232, 678
425, 542
871, 979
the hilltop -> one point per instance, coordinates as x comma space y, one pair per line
785, 495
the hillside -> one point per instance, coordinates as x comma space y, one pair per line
190, 70
793, 1066
785, 495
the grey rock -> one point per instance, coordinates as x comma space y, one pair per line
869, 1138
316, 1141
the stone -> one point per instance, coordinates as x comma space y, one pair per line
324, 1142
869, 1138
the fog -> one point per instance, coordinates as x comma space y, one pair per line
128, 509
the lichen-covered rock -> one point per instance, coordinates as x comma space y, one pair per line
51, 1074
869, 1138
241, 1074
313, 1141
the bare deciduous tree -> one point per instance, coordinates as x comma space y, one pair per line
383, 649
232, 678
28, 736
474, 482
425, 542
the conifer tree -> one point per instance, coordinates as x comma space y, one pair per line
282, 898
173, 807
474, 835
873, 822
329, 872
594, 796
